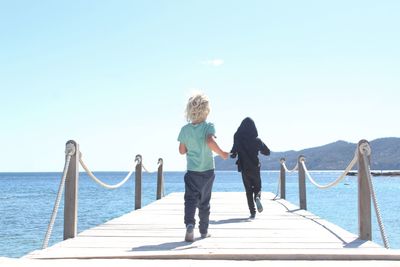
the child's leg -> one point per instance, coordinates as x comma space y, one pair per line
191, 199
257, 190
257, 184
204, 204
249, 192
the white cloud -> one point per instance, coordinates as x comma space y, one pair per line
214, 62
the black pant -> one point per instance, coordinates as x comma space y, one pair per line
198, 187
252, 184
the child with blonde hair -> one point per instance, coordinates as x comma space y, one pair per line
196, 140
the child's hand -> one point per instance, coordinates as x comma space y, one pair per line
224, 155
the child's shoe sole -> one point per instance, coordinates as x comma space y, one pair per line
259, 205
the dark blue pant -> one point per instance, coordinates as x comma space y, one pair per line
198, 187
252, 184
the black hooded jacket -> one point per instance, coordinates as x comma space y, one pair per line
247, 145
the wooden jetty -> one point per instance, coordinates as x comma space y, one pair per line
282, 232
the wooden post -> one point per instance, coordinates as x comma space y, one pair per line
71, 194
138, 182
160, 179
283, 179
364, 197
302, 184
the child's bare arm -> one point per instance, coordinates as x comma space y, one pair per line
182, 148
214, 147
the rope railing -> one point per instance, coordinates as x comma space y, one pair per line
366, 151
282, 178
103, 184
69, 184
150, 170
69, 151
335, 182
296, 168
278, 189
362, 152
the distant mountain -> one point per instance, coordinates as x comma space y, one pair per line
333, 156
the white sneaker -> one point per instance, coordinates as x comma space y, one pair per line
189, 237
259, 205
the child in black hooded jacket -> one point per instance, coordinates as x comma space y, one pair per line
247, 145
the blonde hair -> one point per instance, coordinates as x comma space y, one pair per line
197, 108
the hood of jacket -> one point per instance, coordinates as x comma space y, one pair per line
247, 129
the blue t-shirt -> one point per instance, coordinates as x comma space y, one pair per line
199, 156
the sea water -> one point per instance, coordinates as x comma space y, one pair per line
27, 200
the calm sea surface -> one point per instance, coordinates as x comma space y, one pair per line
27, 199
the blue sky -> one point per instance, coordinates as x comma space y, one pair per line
115, 76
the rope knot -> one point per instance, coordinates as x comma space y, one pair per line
70, 149
160, 161
365, 149
138, 159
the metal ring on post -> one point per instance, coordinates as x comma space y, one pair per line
364, 148
138, 159
70, 148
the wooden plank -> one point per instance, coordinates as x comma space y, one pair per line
189, 262
281, 232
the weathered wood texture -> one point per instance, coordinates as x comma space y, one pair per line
364, 199
138, 183
302, 185
71, 195
282, 176
280, 232
160, 180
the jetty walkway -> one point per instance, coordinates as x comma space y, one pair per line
282, 235
281, 232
